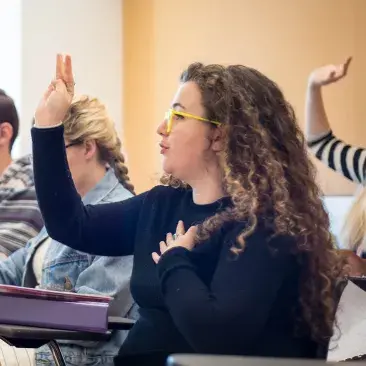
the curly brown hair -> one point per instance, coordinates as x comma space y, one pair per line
270, 178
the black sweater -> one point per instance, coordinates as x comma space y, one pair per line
202, 301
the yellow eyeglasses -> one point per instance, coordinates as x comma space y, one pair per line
172, 114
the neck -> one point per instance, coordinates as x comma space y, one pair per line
5, 161
90, 181
207, 189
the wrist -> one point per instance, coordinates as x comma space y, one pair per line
47, 126
46, 122
314, 86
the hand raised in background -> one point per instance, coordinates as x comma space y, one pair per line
329, 74
57, 99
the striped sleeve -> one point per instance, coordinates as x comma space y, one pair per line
348, 160
20, 221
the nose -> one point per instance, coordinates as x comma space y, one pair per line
162, 128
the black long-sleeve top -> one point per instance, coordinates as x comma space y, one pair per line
204, 300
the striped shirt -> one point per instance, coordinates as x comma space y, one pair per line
20, 218
348, 160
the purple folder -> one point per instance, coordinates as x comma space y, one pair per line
64, 315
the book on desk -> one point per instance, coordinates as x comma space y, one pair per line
53, 309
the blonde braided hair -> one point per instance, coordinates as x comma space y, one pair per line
87, 119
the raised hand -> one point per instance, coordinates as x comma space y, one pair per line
57, 99
329, 74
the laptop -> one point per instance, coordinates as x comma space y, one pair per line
207, 360
359, 281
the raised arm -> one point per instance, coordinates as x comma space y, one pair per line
350, 161
108, 229
315, 116
345, 159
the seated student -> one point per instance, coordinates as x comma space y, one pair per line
255, 273
20, 218
100, 176
347, 160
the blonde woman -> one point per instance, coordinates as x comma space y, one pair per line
93, 152
350, 161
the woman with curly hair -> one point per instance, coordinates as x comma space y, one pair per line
256, 272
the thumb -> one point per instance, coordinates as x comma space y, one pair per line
48, 91
59, 85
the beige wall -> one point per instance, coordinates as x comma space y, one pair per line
285, 39
359, 70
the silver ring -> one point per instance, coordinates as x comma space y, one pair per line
176, 236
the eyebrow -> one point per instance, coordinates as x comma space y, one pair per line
175, 105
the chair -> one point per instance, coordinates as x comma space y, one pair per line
210, 360
33, 337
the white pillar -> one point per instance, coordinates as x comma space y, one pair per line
34, 31
10, 54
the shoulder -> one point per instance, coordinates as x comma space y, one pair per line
168, 192
27, 194
118, 193
164, 197
23, 170
261, 243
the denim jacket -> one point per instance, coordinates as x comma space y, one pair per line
65, 269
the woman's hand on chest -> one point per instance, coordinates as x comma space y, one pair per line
181, 238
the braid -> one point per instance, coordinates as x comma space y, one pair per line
88, 119
120, 168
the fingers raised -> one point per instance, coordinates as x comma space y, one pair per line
59, 67
68, 75
346, 65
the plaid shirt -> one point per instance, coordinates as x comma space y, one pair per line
20, 218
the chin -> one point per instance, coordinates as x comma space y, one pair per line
167, 168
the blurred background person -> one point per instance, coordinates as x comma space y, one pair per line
347, 160
20, 218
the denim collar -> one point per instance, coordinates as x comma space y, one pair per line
107, 184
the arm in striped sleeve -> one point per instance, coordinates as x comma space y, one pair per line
350, 161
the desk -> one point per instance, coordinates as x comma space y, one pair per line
33, 337
209, 360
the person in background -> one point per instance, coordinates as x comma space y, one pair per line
347, 160
227, 257
20, 218
93, 152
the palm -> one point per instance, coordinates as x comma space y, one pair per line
329, 74
56, 101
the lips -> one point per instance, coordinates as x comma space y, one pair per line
163, 147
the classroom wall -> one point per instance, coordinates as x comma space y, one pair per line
33, 31
11, 57
285, 39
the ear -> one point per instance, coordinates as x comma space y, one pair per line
217, 139
6, 133
90, 149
